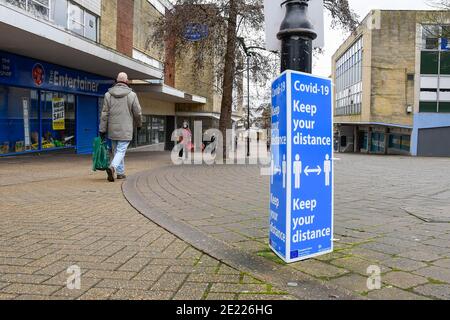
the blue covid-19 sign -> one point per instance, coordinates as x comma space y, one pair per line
301, 208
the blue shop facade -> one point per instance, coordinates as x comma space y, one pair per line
46, 107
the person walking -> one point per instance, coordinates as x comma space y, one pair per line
121, 114
186, 141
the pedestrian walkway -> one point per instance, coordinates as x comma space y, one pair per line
392, 217
56, 214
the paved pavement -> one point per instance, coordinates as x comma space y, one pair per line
392, 214
55, 214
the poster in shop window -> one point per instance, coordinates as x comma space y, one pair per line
26, 123
59, 121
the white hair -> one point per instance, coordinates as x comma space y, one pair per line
122, 77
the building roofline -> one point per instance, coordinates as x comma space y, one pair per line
386, 10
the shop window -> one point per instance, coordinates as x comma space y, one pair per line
377, 142
343, 141
144, 135
19, 119
406, 143
429, 62
363, 140
158, 131
427, 106
58, 120
153, 131
400, 142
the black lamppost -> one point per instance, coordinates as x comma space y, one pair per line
296, 34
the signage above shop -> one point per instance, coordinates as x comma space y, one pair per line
17, 70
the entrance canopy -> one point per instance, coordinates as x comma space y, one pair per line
164, 92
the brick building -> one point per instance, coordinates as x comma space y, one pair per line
60, 57
391, 85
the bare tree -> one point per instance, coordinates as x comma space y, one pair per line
441, 4
226, 21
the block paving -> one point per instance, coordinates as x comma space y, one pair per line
56, 213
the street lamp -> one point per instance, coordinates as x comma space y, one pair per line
249, 54
296, 35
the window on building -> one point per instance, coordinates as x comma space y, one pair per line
427, 106
430, 37
435, 69
429, 62
76, 19
90, 26
348, 80
444, 106
63, 13
82, 22
445, 63
38, 8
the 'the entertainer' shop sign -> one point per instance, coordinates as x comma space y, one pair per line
17, 70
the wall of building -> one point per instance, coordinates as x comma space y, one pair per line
393, 59
125, 26
95, 6
144, 14
151, 106
196, 81
108, 25
389, 56
366, 34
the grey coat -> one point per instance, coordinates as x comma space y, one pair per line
121, 113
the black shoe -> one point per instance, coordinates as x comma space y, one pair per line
121, 177
110, 171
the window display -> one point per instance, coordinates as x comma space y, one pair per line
153, 131
19, 117
58, 120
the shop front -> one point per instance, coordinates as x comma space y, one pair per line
153, 132
46, 107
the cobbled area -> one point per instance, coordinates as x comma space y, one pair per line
392, 214
55, 213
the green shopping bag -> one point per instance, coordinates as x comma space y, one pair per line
101, 155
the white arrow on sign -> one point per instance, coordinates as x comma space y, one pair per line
308, 171
274, 15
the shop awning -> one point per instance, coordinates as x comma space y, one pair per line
166, 93
214, 115
373, 124
40, 40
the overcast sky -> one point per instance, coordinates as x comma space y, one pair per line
334, 38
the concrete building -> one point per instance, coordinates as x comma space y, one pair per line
392, 85
59, 57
